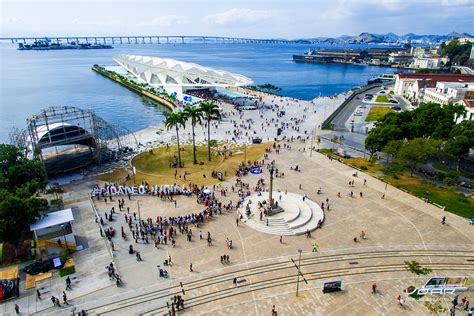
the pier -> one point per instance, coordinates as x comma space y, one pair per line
156, 39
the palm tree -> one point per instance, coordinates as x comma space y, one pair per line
210, 111
176, 119
195, 114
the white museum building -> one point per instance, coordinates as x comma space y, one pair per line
176, 77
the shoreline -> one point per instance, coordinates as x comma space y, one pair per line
129, 85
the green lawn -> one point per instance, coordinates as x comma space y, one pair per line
377, 113
454, 202
154, 167
382, 99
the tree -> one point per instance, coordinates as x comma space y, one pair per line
176, 119
195, 114
20, 180
458, 53
17, 171
462, 139
393, 147
414, 152
210, 111
416, 268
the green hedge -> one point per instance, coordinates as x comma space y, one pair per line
66, 271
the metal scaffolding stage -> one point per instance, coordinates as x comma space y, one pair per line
67, 138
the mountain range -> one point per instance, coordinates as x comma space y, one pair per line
389, 38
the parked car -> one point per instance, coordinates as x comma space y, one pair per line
43, 266
393, 101
396, 108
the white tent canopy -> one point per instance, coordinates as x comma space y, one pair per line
53, 219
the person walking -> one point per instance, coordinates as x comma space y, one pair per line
374, 288
443, 220
274, 312
281, 239
65, 298
68, 283
235, 281
452, 311
17, 309
38, 294
315, 247
191, 267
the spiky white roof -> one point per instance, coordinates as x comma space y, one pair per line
169, 72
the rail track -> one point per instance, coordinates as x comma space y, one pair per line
224, 280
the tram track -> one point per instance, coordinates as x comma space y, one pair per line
272, 268
311, 276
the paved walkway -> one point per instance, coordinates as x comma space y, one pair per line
398, 228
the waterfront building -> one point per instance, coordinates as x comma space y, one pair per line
435, 62
177, 77
449, 92
399, 59
412, 85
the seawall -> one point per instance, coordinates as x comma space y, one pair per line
135, 88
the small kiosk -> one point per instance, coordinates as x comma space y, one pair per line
54, 231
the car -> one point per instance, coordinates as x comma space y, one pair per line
358, 113
393, 101
396, 108
382, 92
363, 106
43, 266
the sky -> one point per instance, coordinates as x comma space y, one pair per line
237, 18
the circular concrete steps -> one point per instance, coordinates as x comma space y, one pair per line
298, 215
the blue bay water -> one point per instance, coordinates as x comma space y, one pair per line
33, 80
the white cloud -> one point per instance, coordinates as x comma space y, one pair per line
244, 16
101, 21
456, 2
166, 21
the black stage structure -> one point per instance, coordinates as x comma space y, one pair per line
66, 138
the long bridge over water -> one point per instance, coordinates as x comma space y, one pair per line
156, 39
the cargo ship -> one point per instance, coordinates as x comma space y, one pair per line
311, 56
47, 45
368, 56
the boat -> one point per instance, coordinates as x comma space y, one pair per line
311, 56
47, 45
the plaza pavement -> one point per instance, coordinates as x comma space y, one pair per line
399, 227
400, 223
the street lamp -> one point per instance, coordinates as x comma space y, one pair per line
139, 215
299, 267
